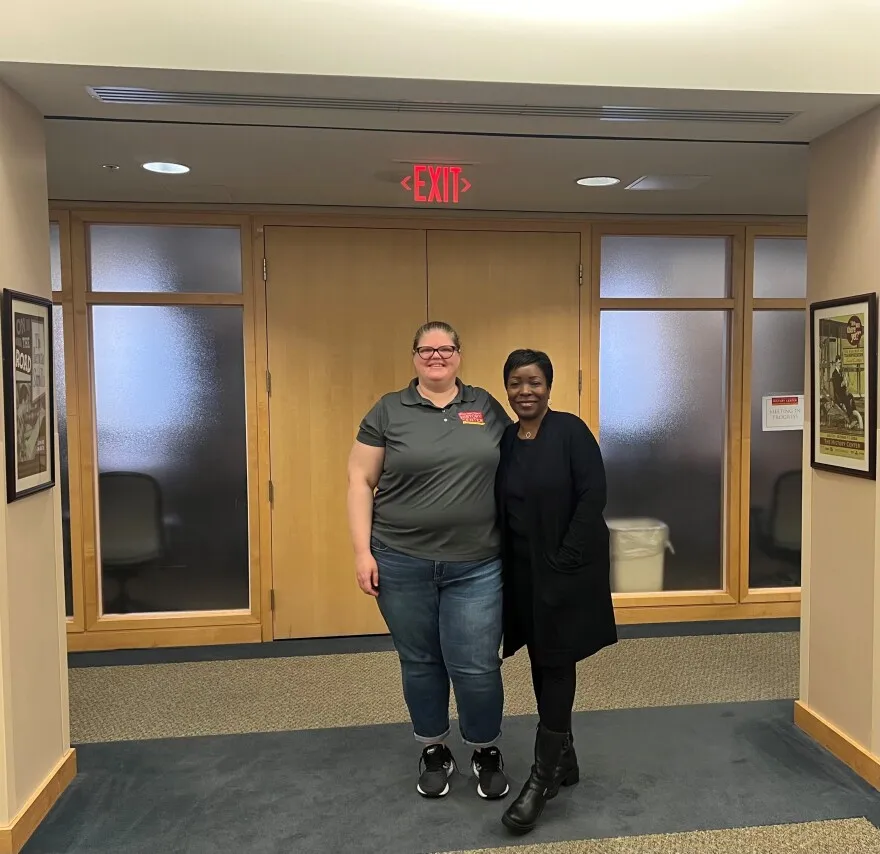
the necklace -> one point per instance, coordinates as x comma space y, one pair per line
530, 433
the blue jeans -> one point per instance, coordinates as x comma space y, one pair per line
445, 621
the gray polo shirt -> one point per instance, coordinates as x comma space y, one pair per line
436, 495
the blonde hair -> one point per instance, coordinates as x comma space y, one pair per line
436, 326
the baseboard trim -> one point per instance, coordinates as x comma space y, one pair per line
850, 752
15, 835
654, 614
146, 638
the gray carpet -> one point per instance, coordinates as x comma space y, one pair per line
315, 692
335, 791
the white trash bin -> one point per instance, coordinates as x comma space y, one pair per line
638, 549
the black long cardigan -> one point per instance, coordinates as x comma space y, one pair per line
568, 542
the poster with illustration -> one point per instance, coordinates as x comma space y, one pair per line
844, 382
28, 394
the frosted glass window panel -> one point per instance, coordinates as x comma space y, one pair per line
165, 259
662, 417
170, 410
778, 367
780, 267
661, 267
60, 379
55, 255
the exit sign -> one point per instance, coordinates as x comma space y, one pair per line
436, 185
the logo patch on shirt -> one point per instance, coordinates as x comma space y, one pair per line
472, 418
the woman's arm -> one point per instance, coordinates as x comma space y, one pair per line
588, 474
364, 469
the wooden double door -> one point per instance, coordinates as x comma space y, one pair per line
342, 307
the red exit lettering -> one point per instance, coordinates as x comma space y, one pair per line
436, 185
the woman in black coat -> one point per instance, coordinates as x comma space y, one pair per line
550, 492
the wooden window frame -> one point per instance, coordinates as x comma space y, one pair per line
106, 631
90, 630
709, 601
746, 593
64, 298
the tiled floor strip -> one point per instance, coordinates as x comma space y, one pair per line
846, 836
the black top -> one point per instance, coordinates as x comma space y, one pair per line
517, 489
518, 570
435, 495
558, 489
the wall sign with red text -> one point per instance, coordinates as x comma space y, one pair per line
436, 185
783, 412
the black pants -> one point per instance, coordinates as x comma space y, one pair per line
554, 691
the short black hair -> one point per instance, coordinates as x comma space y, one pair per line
523, 358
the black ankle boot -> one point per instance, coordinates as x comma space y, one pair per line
568, 771
543, 783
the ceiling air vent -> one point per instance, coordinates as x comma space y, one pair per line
157, 98
668, 182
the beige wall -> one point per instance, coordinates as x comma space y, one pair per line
750, 45
840, 644
33, 664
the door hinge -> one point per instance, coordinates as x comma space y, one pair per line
580, 275
580, 381
271, 492
268, 382
265, 271
272, 599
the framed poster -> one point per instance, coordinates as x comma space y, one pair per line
843, 373
29, 394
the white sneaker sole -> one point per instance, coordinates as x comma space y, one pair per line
480, 792
449, 772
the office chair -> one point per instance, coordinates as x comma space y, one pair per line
784, 524
779, 529
131, 531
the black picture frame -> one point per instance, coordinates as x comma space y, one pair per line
28, 362
843, 386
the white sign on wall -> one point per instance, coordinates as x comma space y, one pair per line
783, 412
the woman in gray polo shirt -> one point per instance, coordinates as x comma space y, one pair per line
421, 510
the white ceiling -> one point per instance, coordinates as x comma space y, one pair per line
315, 155
748, 45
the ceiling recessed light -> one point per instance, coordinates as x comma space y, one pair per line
598, 181
167, 168
110, 167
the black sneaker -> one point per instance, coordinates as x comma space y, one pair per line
437, 766
488, 767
